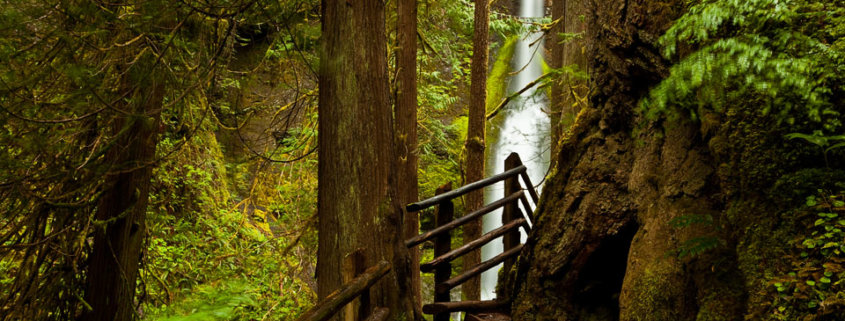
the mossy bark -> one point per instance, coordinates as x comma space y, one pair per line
666, 219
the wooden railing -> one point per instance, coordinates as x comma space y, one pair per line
356, 288
512, 219
359, 279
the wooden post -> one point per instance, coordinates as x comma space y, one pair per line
354, 264
442, 245
511, 211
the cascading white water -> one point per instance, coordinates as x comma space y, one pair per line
523, 128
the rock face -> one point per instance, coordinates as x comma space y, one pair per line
653, 220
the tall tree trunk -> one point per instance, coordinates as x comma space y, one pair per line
569, 95
357, 200
556, 61
475, 142
406, 127
122, 209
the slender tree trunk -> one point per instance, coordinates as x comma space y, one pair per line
121, 212
357, 200
556, 61
475, 143
570, 94
406, 127
574, 54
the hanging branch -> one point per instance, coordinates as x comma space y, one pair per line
514, 95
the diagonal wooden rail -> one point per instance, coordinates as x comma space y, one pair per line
512, 219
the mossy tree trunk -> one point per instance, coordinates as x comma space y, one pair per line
358, 203
475, 143
606, 243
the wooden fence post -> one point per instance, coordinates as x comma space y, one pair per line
443, 244
353, 265
511, 211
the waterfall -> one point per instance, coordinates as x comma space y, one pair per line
523, 128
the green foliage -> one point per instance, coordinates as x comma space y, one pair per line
209, 260
444, 62
814, 286
784, 56
213, 302
827, 143
824, 142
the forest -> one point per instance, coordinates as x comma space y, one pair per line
311, 160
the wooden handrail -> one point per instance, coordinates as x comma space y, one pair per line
530, 187
529, 214
464, 189
478, 269
463, 219
346, 293
474, 244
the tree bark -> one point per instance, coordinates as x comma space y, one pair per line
475, 143
406, 128
358, 204
603, 246
122, 210
571, 92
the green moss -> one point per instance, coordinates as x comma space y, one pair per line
648, 300
496, 84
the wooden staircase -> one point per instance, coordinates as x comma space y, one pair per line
512, 219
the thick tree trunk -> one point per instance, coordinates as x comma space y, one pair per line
120, 230
475, 142
604, 246
406, 127
357, 200
588, 217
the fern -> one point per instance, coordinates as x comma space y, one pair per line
759, 49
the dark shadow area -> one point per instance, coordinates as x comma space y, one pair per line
600, 281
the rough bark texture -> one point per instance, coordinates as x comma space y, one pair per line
122, 209
475, 142
604, 246
406, 126
357, 199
